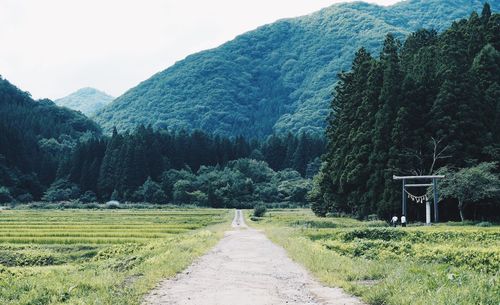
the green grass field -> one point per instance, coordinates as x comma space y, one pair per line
99, 257
440, 264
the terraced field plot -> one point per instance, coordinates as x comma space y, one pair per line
440, 264
98, 257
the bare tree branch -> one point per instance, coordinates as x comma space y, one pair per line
437, 153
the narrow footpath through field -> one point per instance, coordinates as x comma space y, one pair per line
246, 268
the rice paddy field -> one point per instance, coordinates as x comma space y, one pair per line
99, 256
439, 264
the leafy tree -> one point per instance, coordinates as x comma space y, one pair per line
88, 197
5, 196
170, 177
240, 184
470, 185
291, 186
199, 198
259, 210
315, 196
61, 190
151, 192
258, 171
181, 191
256, 155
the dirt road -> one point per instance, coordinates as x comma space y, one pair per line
246, 268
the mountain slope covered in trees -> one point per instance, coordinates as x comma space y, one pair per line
56, 154
34, 136
87, 100
279, 77
431, 104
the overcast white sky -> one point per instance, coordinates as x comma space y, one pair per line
54, 47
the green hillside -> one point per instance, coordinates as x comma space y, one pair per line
279, 77
34, 137
86, 100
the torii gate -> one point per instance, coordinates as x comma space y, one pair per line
434, 188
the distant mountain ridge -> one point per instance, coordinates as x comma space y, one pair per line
277, 78
87, 100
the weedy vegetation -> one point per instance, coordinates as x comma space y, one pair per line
440, 264
98, 257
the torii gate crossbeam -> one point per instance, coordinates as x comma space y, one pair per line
434, 187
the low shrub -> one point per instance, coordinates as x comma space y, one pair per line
259, 210
93, 206
29, 258
482, 260
315, 224
484, 224
376, 223
372, 233
88, 197
72, 204
40, 205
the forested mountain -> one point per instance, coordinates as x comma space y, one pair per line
279, 77
432, 102
57, 154
87, 100
34, 135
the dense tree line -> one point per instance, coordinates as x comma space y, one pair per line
241, 183
430, 102
118, 166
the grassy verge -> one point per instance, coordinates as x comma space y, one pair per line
418, 265
107, 267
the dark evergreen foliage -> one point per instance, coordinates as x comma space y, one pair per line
61, 190
128, 164
432, 102
55, 154
34, 137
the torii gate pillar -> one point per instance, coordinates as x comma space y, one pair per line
436, 208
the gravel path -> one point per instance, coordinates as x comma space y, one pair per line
246, 268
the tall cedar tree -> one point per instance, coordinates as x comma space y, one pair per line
387, 112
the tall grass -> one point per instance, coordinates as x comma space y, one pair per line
98, 257
418, 265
